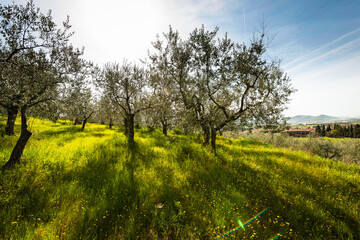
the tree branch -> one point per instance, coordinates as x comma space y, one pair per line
15, 51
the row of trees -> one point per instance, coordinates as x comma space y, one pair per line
218, 81
205, 80
36, 58
337, 130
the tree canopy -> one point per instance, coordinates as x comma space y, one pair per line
220, 81
203, 82
35, 58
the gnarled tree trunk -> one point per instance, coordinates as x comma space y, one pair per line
76, 121
206, 131
164, 126
213, 139
165, 129
130, 127
85, 121
12, 112
83, 124
126, 131
110, 123
21, 143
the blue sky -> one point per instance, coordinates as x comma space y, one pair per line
318, 41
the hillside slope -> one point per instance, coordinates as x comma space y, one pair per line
75, 184
314, 119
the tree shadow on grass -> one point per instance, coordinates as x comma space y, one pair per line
259, 186
69, 130
320, 192
110, 189
45, 192
103, 193
48, 134
69, 134
2, 128
27, 195
242, 142
116, 203
266, 158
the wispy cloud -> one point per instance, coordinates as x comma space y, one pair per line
326, 78
338, 55
338, 45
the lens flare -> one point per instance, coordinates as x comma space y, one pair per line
276, 237
240, 223
243, 225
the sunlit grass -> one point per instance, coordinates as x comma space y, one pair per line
89, 185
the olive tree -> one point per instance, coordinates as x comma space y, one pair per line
169, 69
179, 62
106, 110
35, 58
78, 103
126, 86
239, 83
162, 80
221, 82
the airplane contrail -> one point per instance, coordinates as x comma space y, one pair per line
244, 19
319, 51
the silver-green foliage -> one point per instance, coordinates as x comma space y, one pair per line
35, 55
345, 150
35, 59
220, 81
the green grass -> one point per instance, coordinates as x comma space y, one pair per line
89, 185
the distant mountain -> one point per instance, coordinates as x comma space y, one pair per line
314, 119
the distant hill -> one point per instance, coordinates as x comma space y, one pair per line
314, 119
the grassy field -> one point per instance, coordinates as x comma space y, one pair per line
89, 185
346, 150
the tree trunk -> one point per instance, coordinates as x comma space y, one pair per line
83, 124
110, 123
186, 129
206, 131
126, 131
213, 140
21, 143
164, 127
76, 121
85, 121
130, 124
12, 112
